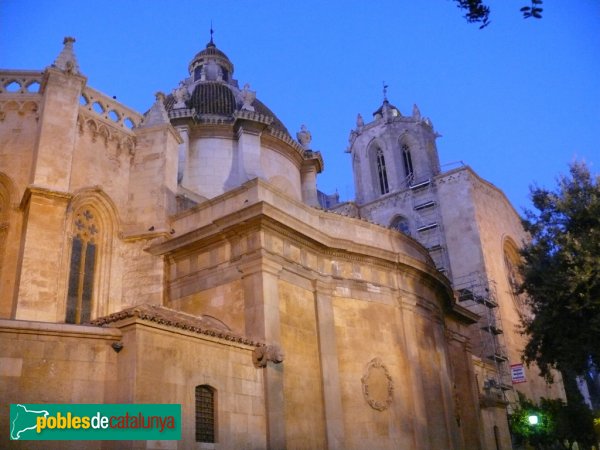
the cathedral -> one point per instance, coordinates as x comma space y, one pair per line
185, 256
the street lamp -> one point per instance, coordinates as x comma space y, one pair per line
533, 419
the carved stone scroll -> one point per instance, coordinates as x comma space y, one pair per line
262, 355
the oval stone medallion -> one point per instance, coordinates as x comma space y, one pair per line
377, 385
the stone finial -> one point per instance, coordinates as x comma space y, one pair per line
304, 137
416, 113
157, 114
247, 96
359, 121
66, 60
181, 94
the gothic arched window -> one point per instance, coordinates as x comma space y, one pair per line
407, 160
381, 171
205, 414
400, 223
4, 208
82, 268
512, 260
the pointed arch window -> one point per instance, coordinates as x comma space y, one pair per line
82, 268
407, 160
4, 207
205, 413
381, 171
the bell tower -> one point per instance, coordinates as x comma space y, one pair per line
395, 165
392, 152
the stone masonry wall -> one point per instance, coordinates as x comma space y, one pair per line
55, 363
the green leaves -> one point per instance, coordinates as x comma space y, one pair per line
561, 274
557, 422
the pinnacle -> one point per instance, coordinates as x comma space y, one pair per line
66, 60
157, 115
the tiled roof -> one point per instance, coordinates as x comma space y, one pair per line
165, 316
213, 98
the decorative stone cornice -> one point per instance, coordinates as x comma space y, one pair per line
314, 157
22, 105
58, 329
169, 317
287, 139
182, 113
210, 119
98, 127
253, 116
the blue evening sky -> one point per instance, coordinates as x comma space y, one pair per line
517, 101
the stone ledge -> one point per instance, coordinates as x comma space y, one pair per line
58, 329
161, 315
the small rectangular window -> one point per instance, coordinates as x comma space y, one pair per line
205, 414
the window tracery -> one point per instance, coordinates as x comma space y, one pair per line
407, 160
381, 172
82, 268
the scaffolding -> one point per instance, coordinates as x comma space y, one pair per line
478, 294
428, 227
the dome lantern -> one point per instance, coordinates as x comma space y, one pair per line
211, 64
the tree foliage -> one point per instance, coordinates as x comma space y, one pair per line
561, 274
559, 424
476, 11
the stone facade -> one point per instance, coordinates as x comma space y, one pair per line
145, 255
472, 233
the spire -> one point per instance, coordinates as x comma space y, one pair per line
212, 32
66, 60
385, 87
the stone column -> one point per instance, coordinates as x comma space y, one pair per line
309, 184
416, 377
260, 281
332, 396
